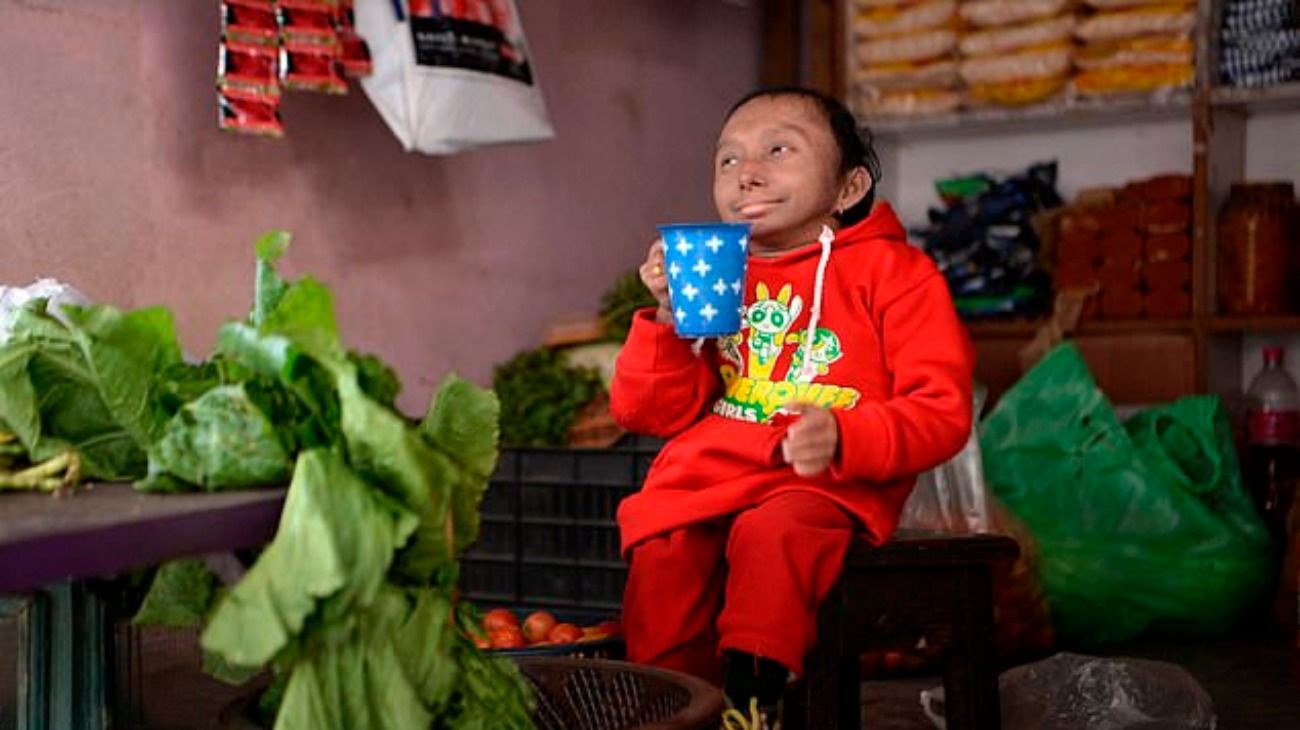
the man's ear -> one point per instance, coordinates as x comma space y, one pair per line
856, 186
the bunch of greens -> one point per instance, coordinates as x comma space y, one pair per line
76, 394
541, 394
619, 304
351, 604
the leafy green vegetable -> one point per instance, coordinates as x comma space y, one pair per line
462, 421
221, 440
541, 395
87, 386
330, 555
351, 604
181, 594
619, 304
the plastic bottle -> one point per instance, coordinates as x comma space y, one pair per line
1271, 462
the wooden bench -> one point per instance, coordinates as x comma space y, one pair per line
918, 585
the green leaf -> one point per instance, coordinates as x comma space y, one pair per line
462, 424
87, 385
181, 594
541, 394
269, 287
50, 400
336, 539
393, 457
222, 440
376, 378
125, 351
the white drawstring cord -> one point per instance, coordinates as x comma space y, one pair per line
808, 369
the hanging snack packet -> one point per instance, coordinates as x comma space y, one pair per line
307, 22
311, 67
249, 113
354, 54
250, 21
248, 67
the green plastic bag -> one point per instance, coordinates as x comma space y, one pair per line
1139, 525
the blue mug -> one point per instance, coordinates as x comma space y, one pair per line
705, 264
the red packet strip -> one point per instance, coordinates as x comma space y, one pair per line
308, 21
250, 21
354, 54
248, 67
311, 67
248, 113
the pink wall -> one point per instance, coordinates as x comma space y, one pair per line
113, 176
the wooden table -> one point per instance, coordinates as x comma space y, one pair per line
48, 545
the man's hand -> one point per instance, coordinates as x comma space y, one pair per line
656, 280
811, 441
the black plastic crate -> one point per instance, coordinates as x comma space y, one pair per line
548, 532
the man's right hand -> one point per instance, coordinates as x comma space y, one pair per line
655, 279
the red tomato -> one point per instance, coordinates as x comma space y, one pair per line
610, 628
564, 634
538, 626
481, 642
507, 638
500, 618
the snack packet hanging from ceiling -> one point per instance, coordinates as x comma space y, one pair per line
250, 21
248, 67
249, 113
354, 54
309, 66
307, 22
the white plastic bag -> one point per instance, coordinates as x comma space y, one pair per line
14, 298
952, 496
1078, 692
450, 75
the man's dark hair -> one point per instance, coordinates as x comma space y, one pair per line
854, 141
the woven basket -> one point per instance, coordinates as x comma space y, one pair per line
584, 694
596, 694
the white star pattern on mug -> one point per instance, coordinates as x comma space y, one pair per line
706, 275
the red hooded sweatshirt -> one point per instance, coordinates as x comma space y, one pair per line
889, 357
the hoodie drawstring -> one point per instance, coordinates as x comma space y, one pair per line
808, 369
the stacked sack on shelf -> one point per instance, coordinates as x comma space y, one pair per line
1017, 51
906, 57
1134, 46
1260, 42
1133, 246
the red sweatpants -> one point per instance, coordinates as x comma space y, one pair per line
752, 582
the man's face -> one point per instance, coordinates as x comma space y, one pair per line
776, 168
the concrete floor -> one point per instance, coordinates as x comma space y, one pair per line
1253, 681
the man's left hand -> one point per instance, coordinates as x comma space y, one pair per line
811, 441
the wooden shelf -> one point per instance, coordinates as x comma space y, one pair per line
1276, 323
1027, 328
1278, 97
1064, 114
